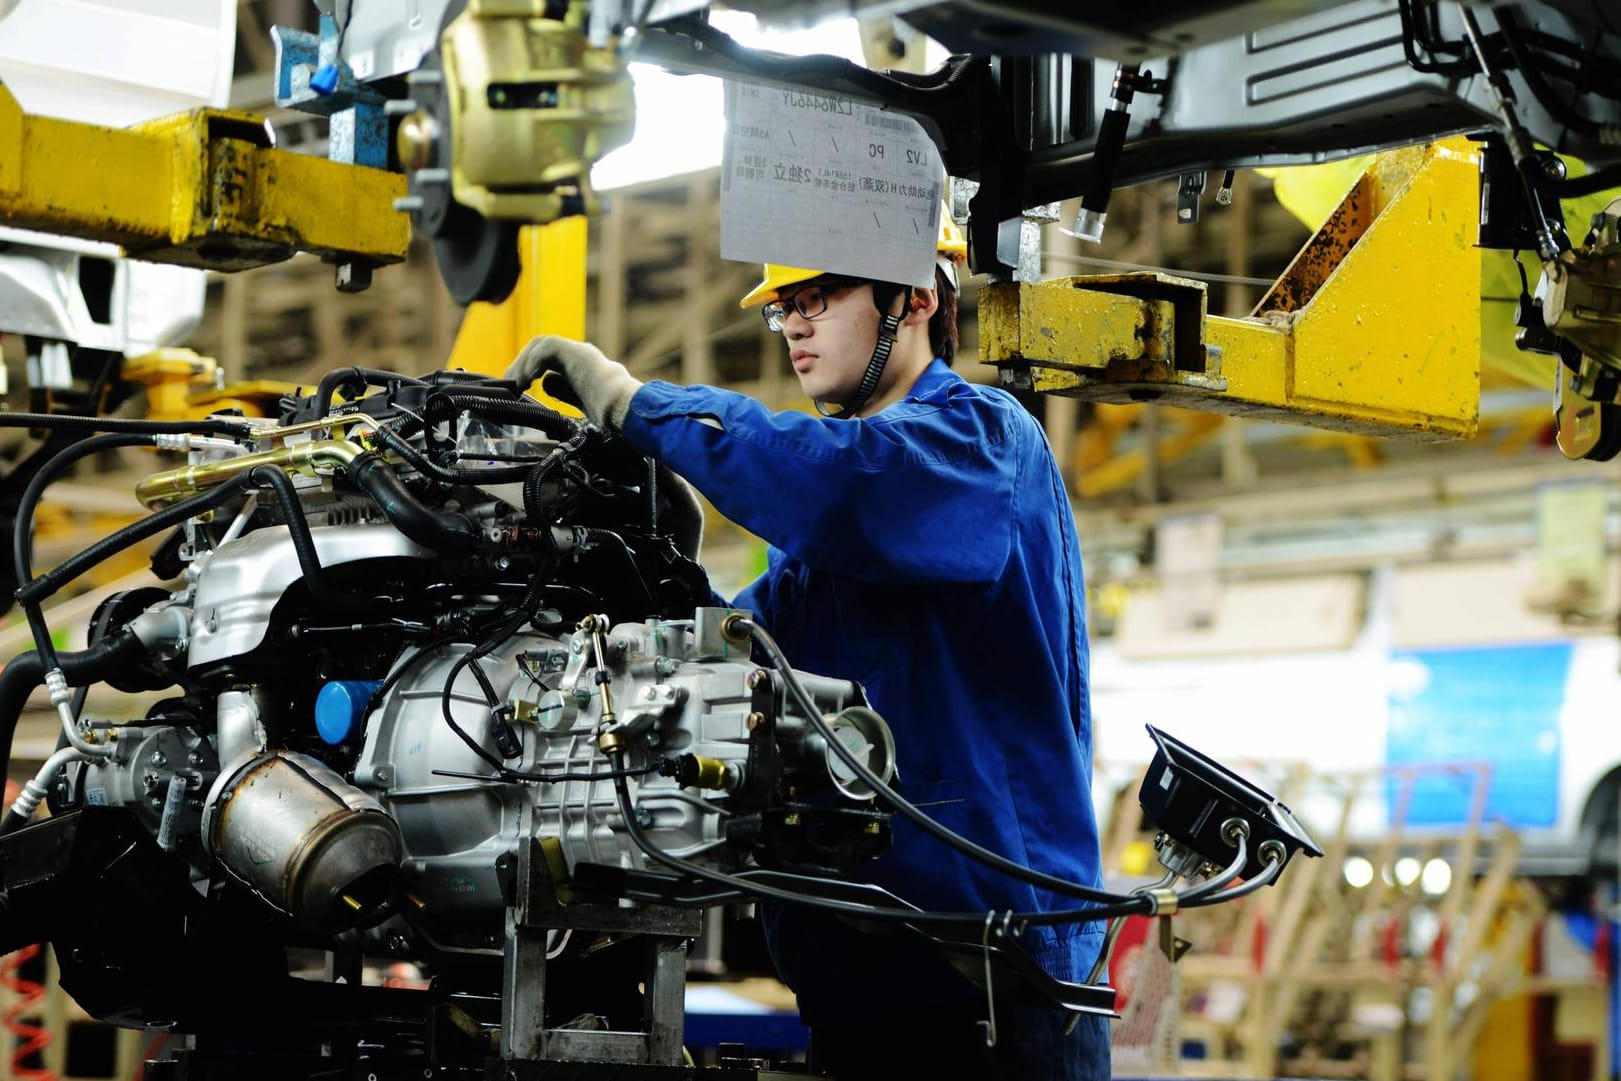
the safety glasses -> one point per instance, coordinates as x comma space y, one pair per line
809, 302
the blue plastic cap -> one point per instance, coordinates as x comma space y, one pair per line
325, 80
339, 707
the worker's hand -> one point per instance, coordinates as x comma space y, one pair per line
682, 516
602, 387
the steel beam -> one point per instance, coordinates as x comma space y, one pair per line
202, 189
1374, 330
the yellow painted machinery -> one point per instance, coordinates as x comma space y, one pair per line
1374, 329
473, 118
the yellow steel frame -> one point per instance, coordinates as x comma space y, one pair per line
548, 299
1374, 330
202, 188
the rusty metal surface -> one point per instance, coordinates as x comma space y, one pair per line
202, 188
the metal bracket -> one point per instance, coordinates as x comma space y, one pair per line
1374, 329
537, 910
203, 189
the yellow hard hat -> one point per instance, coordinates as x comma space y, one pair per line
952, 250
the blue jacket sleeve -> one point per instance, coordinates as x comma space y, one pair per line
922, 493
756, 597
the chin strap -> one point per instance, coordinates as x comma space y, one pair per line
888, 327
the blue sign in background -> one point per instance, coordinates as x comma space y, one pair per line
1499, 705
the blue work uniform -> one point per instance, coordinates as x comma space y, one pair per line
928, 552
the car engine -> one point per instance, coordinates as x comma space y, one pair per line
436, 677
442, 670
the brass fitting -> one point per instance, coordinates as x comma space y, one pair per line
1165, 901
161, 489
711, 773
731, 628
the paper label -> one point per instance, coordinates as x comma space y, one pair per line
817, 180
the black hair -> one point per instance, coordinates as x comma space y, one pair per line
942, 324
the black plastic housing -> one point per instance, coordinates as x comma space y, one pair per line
1189, 796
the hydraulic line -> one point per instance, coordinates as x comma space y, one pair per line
441, 405
23, 531
38, 787
1125, 907
22, 538
26, 671
533, 509
894, 799
1515, 135
507, 474
1271, 854
1509, 25
46, 584
1116, 924
446, 532
231, 429
298, 528
357, 377
1107, 148
1240, 840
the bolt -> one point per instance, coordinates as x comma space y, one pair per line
194, 759
577, 646
503, 562
649, 693
213, 621
757, 677
665, 666
790, 819
160, 759
644, 817
755, 720
150, 781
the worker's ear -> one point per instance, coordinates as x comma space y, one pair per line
921, 308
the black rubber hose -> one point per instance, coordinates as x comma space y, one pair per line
26, 671
1510, 27
22, 536
413, 457
427, 467
528, 414
298, 527
532, 484
231, 429
1596, 181
446, 532
23, 527
48, 583
445, 377
356, 377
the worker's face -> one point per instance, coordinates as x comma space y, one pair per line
830, 351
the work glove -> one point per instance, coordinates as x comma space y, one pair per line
602, 388
682, 516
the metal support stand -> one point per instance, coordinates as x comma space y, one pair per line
666, 931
